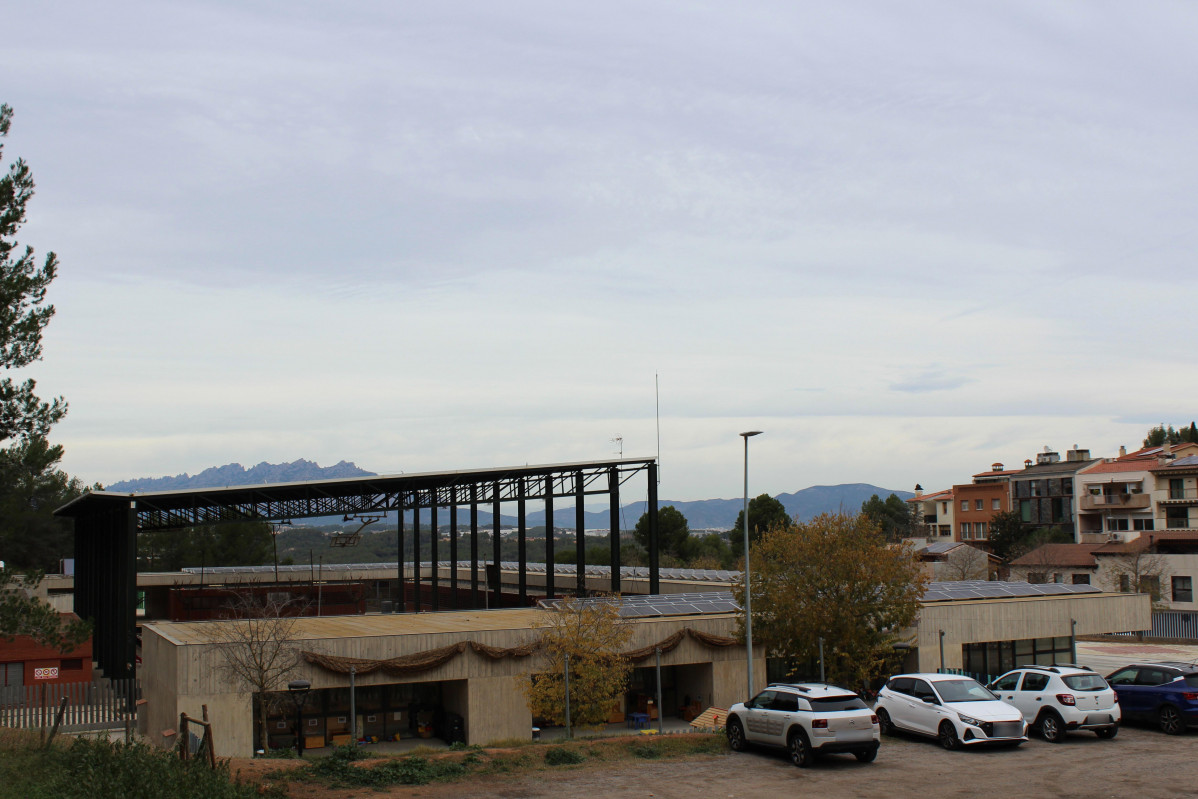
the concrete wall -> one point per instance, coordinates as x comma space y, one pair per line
183, 671
1022, 618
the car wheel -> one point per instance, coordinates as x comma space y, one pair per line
885, 725
1107, 732
800, 749
866, 755
736, 735
1051, 728
948, 736
1170, 720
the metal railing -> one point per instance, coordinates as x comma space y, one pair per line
89, 705
1181, 624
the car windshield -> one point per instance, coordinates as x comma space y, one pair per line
828, 704
1085, 682
963, 691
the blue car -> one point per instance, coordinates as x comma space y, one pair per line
1165, 693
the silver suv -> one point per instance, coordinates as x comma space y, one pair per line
806, 719
1057, 699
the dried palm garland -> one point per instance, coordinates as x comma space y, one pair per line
432, 658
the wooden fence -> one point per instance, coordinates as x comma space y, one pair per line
90, 706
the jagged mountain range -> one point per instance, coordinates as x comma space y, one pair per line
719, 514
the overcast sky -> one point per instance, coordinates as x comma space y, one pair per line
905, 240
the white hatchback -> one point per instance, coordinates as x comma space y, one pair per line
954, 709
807, 719
1056, 699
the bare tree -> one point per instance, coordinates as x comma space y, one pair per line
1141, 572
258, 645
964, 563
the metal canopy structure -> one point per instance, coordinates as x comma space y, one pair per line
107, 524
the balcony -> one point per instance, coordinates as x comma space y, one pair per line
1119, 501
1181, 496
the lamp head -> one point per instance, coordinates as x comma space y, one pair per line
750, 434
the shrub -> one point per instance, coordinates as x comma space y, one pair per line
561, 756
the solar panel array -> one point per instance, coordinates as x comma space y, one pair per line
696, 575
983, 589
640, 607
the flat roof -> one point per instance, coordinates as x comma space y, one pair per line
313, 628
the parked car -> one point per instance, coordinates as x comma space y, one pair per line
1165, 693
1058, 699
807, 719
956, 710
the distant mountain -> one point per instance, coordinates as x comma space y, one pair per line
717, 514
720, 514
234, 474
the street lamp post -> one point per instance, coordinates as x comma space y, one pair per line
299, 694
748, 586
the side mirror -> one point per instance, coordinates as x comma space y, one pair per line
931, 700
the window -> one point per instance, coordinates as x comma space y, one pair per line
979, 529
977, 504
965, 529
1007, 683
785, 701
72, 664
1177, 488
1025, 510
1141, 524
944, 507
1037, 577
1177, 518
1035, 681
1125, 583
1036, 488
964, 504
1081, 579
1183, 589
1151, 584
996, 504
1115, 525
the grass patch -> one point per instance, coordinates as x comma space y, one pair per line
100, 769
342, 768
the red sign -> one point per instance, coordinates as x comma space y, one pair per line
46, 673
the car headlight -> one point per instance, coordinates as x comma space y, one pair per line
970, 720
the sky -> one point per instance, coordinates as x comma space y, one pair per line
904, 240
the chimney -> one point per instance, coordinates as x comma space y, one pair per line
918, 491
1122, 451
1076, 454
996, 467
1027, 463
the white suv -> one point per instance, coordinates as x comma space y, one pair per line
807, 719
1056, 699
954, 709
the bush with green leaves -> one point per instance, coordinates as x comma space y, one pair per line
561, 756
99, 769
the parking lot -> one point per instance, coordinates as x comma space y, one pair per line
1140, 762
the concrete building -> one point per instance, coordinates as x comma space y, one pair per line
979, 626
1045, 492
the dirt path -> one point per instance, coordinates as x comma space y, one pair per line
1140, 762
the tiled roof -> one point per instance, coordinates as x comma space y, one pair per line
938, 496
1060, 555
1120, 466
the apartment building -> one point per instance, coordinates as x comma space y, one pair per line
1044, 493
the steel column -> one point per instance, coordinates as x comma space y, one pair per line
580, 538
495, 549
434, 555
549, 536
474, 546
403, 594
522, 544
453, 548
654, 550
613, 512
417, 599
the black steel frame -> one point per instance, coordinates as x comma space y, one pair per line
106, 527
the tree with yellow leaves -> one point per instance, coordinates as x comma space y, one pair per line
834, 578
591, 633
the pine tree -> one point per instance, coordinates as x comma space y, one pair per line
23, 312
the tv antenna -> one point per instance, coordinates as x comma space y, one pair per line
619, 442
